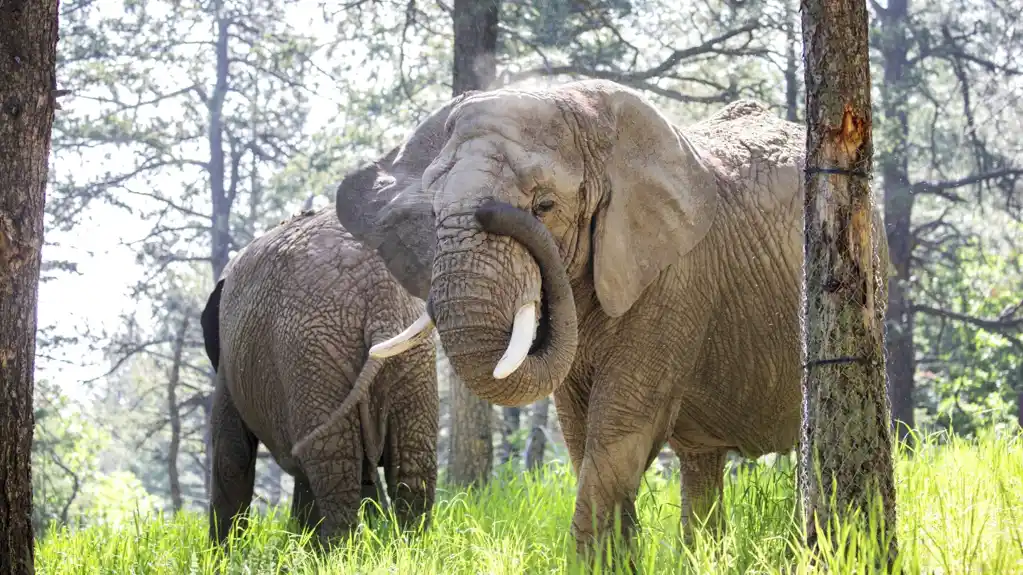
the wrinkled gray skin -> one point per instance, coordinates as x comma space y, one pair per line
667, 262
288, 328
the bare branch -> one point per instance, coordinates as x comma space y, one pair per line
1004, 324
940, 188
640, 80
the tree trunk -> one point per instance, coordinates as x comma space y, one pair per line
791, 70
471, 457
28, 55
475, 67
174, 415
846, 419
898, 210
475, 58
220, 199
509, 425
537, 442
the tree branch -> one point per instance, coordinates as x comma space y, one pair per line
1002, 325
940, 188
640, 80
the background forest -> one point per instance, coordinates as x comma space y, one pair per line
194, 126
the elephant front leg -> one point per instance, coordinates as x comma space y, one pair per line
570, 401
620, 444
702, 490
233, 475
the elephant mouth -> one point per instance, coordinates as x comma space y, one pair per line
527, 317
543, 326
539, 351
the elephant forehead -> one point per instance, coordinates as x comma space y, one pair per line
530, 120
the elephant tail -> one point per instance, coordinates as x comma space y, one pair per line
359, 394
210, 321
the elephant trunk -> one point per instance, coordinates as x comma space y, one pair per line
470, 323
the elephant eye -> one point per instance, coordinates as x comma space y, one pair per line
543, 206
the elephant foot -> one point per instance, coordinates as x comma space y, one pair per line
702, 484
333, 535
613, 543
615, 554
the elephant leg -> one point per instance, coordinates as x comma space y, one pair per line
333, 465
233, 476
702, 490
619, 448
570, 400
372, 490
304, 509
410, 460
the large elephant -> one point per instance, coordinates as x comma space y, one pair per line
288, 328
573, 240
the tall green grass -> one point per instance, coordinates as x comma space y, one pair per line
960, 510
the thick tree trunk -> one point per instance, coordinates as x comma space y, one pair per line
472, 449
536, 444
846, 435
898, 210
510, 424
174, 415
28, 55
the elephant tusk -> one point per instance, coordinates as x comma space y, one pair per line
523, 332
413, 335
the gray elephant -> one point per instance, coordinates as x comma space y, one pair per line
573, 240
287, 328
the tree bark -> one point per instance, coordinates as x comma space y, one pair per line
474, 68
28, 81
536, 444
475, 58
846, 435
898, 211
174, 415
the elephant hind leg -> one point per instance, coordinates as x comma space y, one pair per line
410, 451
234, 464
702, 477
372, 489
304, 510
333, 465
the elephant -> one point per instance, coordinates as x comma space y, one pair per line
572, 240
287, 328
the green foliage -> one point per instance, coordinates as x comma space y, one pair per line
960, 510
971, 372
69, 485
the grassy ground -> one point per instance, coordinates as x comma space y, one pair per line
960, 510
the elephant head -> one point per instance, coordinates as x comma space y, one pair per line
501, 203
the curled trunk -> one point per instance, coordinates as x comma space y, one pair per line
465, 316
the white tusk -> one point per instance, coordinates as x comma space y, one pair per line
523, 332
413, 334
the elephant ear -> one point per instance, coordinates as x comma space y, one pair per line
383, 205
661, 202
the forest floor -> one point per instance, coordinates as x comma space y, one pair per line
960, 510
